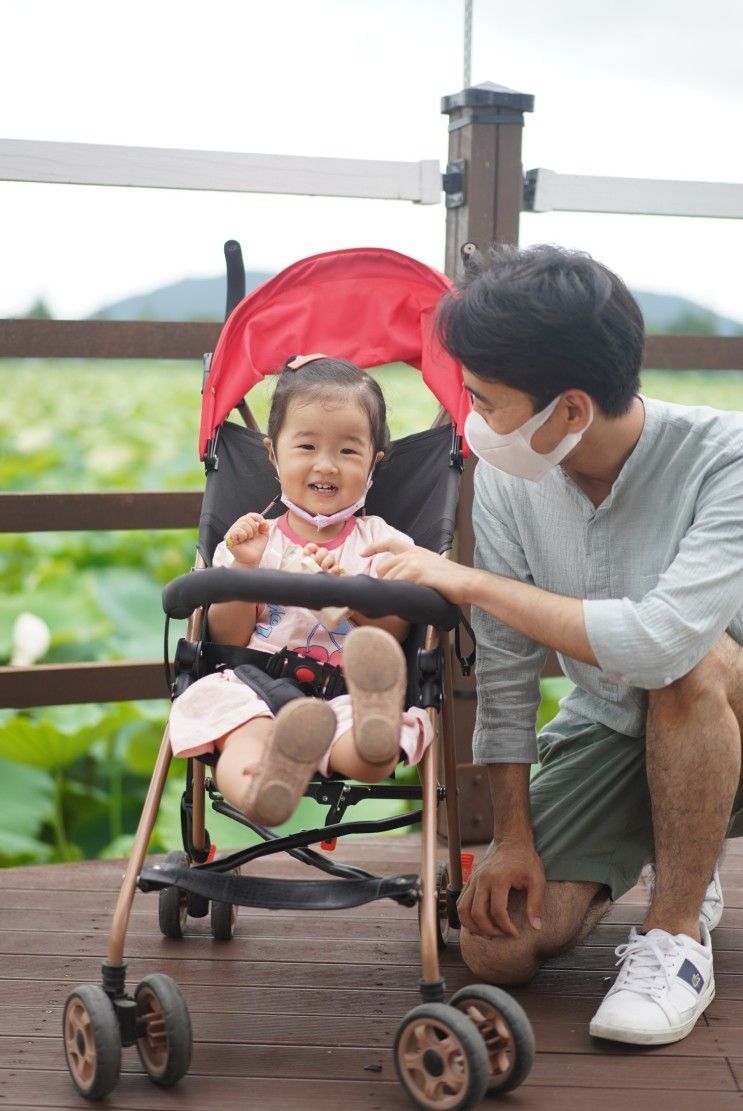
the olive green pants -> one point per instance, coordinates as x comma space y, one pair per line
591, 806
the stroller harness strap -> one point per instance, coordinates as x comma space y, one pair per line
274, 894
311, 676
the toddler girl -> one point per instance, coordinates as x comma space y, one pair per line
326, 433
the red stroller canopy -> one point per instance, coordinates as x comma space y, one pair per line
369, 305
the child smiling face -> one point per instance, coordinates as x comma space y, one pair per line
324, 454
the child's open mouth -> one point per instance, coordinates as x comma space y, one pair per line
323, 488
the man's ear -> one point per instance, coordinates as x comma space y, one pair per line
580, 406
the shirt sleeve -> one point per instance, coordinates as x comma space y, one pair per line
653, 642
508, 663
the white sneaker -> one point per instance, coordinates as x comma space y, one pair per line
665, 982
713, 903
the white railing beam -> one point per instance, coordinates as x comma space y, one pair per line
225, 171
547, 191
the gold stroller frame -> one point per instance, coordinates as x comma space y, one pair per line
446, 1055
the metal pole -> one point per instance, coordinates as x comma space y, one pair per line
467, 43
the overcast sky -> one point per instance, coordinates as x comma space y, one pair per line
645, 88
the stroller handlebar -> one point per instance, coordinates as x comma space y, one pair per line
373, 597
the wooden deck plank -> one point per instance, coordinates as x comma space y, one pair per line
302, 1006
52, 1090
333, 1062
356, 1027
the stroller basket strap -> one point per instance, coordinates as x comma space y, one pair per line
273, 894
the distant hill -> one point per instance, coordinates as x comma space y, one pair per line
204, 299
190, 299
664, 312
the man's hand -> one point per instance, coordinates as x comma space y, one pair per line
483, 905
247, 539
418, 565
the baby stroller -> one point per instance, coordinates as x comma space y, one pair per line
373, 307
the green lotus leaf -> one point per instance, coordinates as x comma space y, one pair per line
27, 800
16, 850
40, 744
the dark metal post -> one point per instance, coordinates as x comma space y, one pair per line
484, 193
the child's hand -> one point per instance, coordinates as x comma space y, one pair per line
247, 539
324, 559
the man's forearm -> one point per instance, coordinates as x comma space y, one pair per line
550, 619
509, 791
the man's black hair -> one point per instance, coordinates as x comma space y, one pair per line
545, 320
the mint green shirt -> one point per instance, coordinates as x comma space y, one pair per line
658, 565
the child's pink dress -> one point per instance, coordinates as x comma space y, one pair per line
219, 703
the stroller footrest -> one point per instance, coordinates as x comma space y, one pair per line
277, 894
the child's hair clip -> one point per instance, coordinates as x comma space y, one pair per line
298, 361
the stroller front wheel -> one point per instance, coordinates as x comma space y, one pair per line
506, 1031
441, 1059
164, 1044
92, 1041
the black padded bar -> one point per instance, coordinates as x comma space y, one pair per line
372, 597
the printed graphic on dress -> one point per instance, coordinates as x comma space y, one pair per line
318, 651
275, 613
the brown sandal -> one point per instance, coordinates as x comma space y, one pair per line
302, 733
374, 670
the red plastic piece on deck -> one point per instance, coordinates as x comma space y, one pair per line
468, 859
329, 845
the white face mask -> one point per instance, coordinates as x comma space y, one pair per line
324, 520
512, 451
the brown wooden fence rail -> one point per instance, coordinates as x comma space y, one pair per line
125, 339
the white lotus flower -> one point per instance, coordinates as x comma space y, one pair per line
29, 640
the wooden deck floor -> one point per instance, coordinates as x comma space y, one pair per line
300, 1010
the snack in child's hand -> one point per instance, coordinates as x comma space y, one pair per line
296, 559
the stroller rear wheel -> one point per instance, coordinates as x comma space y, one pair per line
173, 903
441, 1059
506, 1031
442, 911
92, 1041
164, 1046
224, 917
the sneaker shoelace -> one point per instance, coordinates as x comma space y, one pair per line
644, 965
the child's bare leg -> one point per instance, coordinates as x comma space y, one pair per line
345, 760
267, 763
241, 754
